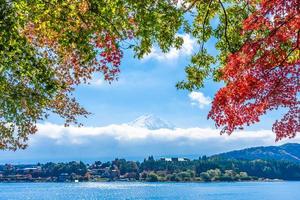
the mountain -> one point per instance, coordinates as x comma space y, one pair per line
151, 122
288, 152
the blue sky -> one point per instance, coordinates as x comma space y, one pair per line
145, 86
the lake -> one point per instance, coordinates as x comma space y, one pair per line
151, 191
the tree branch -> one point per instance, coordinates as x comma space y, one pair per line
226, 26
204, 21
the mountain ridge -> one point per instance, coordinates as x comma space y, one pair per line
285, 152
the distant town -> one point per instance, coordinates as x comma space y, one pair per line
204, 169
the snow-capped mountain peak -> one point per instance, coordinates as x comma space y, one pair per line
151, 122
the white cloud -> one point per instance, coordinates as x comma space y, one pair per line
125, 133
199, 99
186, 50
58, 143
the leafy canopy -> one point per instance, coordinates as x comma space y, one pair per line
50, 46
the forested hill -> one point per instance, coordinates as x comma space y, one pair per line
287, 152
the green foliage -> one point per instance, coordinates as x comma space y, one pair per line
48, 47
152, 177
53, 169
208, 170
218, 20
26, 82
125, 166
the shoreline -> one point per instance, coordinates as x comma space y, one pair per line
137, 181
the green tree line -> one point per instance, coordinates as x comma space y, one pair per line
202, 169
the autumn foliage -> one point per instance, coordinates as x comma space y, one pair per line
264, 74
48, 47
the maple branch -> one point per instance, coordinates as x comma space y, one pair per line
281, 63
272, 33
288, 55
285, 58
226, 26
204, 21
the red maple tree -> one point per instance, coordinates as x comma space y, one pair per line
265, 73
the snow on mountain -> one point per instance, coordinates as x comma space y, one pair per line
151, 122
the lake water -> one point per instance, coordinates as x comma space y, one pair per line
151, 191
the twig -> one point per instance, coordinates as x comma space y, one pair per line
204, 21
